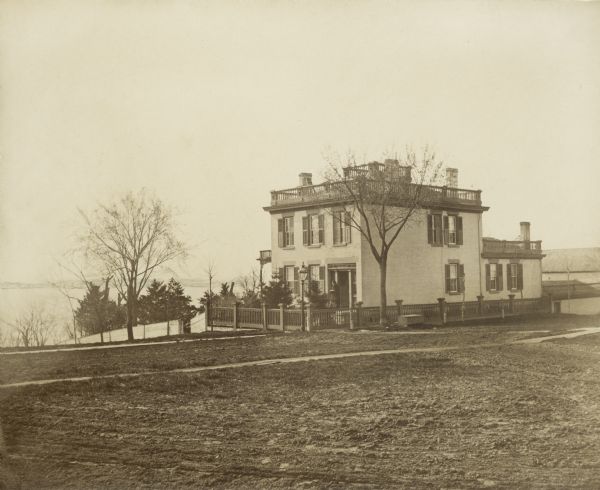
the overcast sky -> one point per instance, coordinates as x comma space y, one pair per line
214, 104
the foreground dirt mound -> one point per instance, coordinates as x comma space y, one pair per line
8, 480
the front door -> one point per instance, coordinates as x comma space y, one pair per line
343, 287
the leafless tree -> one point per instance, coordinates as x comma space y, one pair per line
379, 200
70, 328
210, 272
34, 327
250, 283
130, 239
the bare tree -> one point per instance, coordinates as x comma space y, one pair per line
34, 327
379, 200
130, 239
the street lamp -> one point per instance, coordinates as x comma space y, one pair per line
303, 274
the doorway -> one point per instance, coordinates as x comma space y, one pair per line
342, 287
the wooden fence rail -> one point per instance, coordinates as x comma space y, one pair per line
359, 316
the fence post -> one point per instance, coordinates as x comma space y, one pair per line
442, 304
281, 323
511, 303
400, 309
480, 305
308, 317
264, 315
350, 318
235, 315
358, 313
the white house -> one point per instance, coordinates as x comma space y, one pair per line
441, 255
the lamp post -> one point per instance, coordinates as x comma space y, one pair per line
303, 274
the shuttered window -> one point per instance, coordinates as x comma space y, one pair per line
316, 275
434, 229
285, 231
455, 278
342, 230
493, 277
313, 229
514, 277
291, 278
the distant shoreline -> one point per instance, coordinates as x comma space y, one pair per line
196, 283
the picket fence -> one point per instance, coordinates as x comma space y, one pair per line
360, 316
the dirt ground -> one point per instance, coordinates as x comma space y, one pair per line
524, 416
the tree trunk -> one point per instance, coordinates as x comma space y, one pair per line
382, 292
131, 313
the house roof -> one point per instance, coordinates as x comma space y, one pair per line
572, 259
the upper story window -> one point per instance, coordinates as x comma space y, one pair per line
285, 231
313, 229
434, 229
342, 231
455, 278
514, 276
448, 230
493, 277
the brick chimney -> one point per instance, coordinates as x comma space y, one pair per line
305, 178
451, 177
525, 231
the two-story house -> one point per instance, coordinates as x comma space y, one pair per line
442, 254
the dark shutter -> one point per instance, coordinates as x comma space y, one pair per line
487, 277
429, 228
447, 268
321, 228
291, 231
296, 281
347, 228
499, 282
459, 230
322, 279
336, 227
446, 232
437, 226
281, 272
305, 230
280, 232
520, 276
509, 284
461, 278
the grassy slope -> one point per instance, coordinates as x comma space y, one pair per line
521, 416
15, 368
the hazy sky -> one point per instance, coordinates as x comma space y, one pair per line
214, 104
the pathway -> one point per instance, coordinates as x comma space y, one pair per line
289, 360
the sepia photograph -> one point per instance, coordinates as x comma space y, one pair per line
272, 244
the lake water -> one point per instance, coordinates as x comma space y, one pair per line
17, 301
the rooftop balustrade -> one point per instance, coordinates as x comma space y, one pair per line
515, 248
330, 192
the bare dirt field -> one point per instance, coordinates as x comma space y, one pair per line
524, 416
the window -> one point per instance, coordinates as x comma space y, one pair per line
434, 229
341, 227
451, 230
514, 276
455, 278
285, 231
453, 233
313, 229
316, 276
290, 274
493, 277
